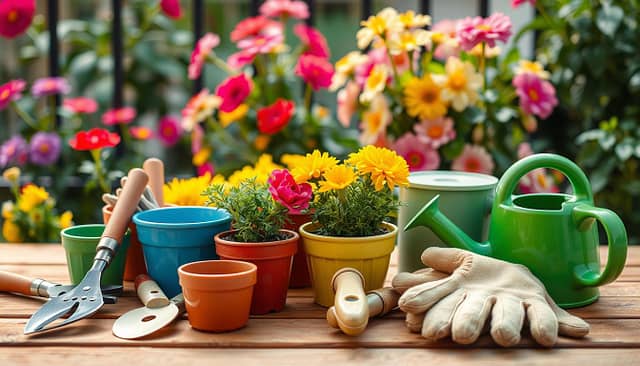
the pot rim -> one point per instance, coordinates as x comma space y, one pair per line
141, 222
218, 238
251, 268
350, 239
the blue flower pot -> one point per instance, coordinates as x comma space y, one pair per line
173, 236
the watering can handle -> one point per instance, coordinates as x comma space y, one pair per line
583, 216
508, 182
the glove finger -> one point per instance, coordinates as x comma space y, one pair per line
469, 319
404, 280
444, 260
568, 325
543, 323
420, 298
507, 318
414, 322
437, 321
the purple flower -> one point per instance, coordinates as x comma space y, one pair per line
15, 150
44, 148
50, 86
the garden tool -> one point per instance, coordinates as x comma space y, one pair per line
459, 292
553, 234
86, 298
13, 282
155, 170
380, 302
157, 313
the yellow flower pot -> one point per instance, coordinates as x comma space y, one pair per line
327, 254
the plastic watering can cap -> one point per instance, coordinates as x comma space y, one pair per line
444, 180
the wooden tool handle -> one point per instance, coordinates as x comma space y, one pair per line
155, 170
351, 306
12, 282
150, 293
126, 205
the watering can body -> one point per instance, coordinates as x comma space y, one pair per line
553, 234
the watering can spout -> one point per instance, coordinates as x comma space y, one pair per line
431, 217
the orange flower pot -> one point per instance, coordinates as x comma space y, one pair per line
273, 260
217, 293
299, 270
134, 264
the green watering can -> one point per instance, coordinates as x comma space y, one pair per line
553, 234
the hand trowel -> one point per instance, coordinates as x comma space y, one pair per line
157, 313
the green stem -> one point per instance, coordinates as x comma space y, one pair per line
24, 116
483, 68
95, 153
221, 64
308, 92
393, 65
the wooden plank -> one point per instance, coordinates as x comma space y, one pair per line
294, 333
612, 307
144, 356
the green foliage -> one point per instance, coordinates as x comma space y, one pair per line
256, 216
357, 210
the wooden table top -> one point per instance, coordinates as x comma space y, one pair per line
299, 334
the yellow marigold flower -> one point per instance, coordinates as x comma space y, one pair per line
31, 197
384, 166
201, 156
187, 192
11, 232
408, 41
386, 21
375, 121
7, 210
291, 160
227, 118
461, 85
375, 83
532, 67
422, 98
12, 175
239, 176
412, 20
261, 142
313, 166
338, 177
66, 219
265, 165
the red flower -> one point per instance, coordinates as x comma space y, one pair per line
95, 138
11, 91
252, 27
315, 71
171, 8
116, 116
275, 117
15, 16
81, 105
233, 91
286, 192
315, 43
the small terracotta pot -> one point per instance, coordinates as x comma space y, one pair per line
217, 293
134, 264
273, 260
299, 270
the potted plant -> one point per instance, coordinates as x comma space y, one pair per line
259, 213
351, 203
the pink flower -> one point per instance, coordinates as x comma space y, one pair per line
50, 86
252, 27
264, 42
116, 116
436, 132
11, 91
516, 3
240, 59
537, 96
475, 159
315, 71
199, 55
169, 131
15, 16
315, 43
171, 8
206, 168
233, 91
286, 192
285, 8
524, 150
473, 31
375, 56
81, 105
537, 180
419, 156
348, 103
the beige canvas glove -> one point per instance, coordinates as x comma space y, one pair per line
461, 289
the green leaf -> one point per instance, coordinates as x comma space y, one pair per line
624, 150
600, 176
608, 19
634, 82
505, 114
474, 115
453, 149
607, 142
491, 96
589, 155
435, 68
589, 136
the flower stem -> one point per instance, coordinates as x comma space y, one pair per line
24, 116
483, 68
95, 153
308, 92
221, 64
393, 65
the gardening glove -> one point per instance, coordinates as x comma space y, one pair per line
461, 289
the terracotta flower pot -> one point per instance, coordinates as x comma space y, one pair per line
327, 254
273, 260
217, 293
134, 263
299, 271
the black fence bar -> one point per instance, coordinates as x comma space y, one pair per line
197, 13
367, 9
54, 69
312, 11
425, 6
483, 8
254, 6
117, 100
